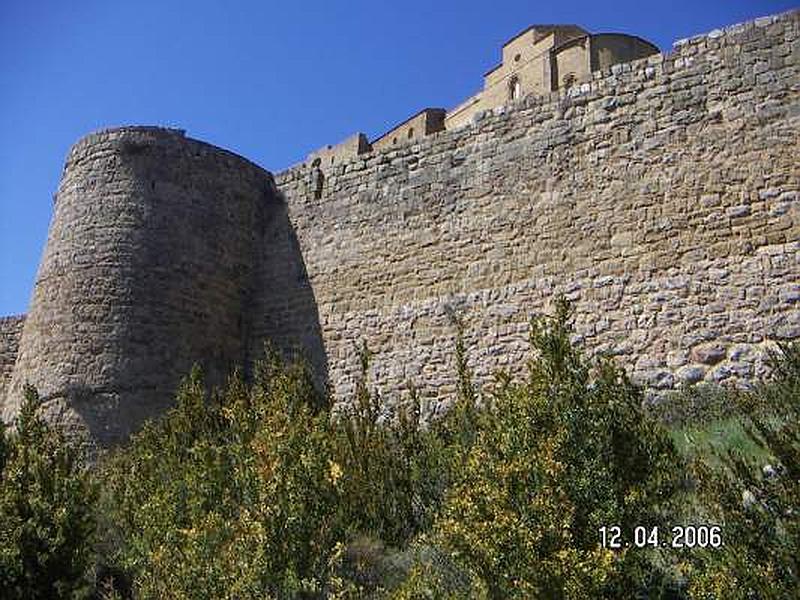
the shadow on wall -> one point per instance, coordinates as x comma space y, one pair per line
286, 313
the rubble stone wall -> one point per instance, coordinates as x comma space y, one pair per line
10, 332
661, 197
150, 267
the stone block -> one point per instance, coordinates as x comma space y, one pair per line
708, 354
691, 374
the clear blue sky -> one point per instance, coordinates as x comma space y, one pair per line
267, 80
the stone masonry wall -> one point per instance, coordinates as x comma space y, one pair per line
662, 198
10, 332
151, 264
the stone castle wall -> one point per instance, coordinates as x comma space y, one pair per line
662, 198
151, 265
10, 332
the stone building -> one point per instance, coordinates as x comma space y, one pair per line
425, 122
333, 154
538, 60
545, 58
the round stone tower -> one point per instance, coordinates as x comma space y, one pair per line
149, 267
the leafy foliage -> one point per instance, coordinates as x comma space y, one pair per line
393, 473
557, 457
757, 503
46, 512
228, 496
263, 491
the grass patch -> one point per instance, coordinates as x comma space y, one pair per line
717, 438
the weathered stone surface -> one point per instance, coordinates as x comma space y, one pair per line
159, 255
708, 354
662, 198
672, 220
691, 373
10, 332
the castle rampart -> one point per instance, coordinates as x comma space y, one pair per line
661, 196
151, 264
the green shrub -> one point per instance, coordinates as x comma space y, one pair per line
46, 512
394, 472
229, 496
262, 491
757, 504
557, 457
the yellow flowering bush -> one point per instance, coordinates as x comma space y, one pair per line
557, 457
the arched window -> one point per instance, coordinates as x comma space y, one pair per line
410, 132
514, 88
